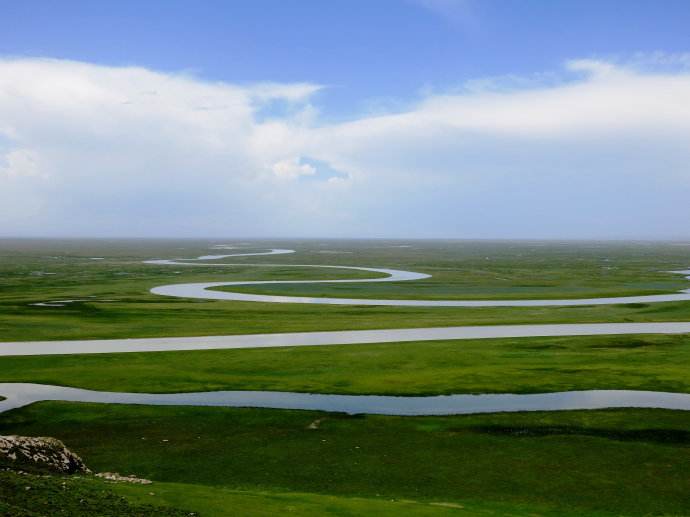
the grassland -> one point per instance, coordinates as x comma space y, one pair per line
220, 461
116, 302
85, 496
214, 501
37, 494
631, 462
525, 365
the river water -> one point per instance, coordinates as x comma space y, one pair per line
21, 394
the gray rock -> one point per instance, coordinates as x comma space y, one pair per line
114, 476
42, 452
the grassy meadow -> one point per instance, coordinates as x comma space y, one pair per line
114, 299
626, 462
516, 365
223, 461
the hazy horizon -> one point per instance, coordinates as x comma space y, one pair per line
238, 241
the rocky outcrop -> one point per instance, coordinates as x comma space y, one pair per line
114, 476
41, 452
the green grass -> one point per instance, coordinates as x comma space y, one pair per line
33, 495
631, 462
222, 461
121, 305
518, 365
85, 496
220, 501
167, 318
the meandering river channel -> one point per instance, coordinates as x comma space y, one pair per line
21, 394
204, 290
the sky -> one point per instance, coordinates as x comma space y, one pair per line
297, 118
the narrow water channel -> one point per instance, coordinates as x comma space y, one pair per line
22, 394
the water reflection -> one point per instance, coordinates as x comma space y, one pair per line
21, 394
338, 337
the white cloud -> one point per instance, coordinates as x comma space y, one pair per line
596, 149
19, 162
292, 168
290, 92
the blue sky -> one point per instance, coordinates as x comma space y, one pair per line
419, 118
367, 52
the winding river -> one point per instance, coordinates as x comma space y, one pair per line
22, 394
337, 337
204, 290
344, 337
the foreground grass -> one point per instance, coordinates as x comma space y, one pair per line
118, 304
44, 494
216, 501
520, 365
631, 462
37, 494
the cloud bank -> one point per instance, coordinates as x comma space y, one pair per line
598, 149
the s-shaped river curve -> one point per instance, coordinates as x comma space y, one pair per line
203, 290
345, 337
23, 394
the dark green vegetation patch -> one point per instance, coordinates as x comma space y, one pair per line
616, 460
46, 495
